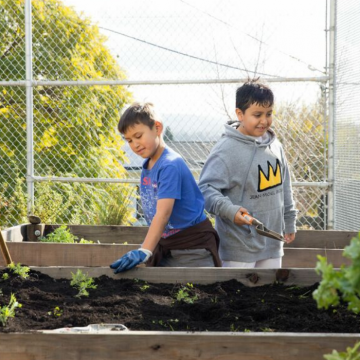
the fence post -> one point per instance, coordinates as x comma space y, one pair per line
331, 127
29, 108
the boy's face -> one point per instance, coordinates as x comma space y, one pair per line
143, 140
256, 120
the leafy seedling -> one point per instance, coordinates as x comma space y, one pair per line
57, 312
82, 282
18, 269
185, 294
350, 354
340, 285
144, 287
5, 276
8, 311
63, 235
60, 235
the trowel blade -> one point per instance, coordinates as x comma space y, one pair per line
264, 231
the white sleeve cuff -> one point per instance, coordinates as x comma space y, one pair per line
148, 254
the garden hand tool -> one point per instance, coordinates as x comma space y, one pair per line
5, 250
261, 229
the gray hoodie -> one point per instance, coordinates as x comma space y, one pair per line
241, 172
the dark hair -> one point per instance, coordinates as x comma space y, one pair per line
253, 92
137, 113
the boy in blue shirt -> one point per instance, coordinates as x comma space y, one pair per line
179, 232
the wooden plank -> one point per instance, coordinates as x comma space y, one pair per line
249, 277
15, 233
112, 234
326, 239
307, 258
59, 254
157, 345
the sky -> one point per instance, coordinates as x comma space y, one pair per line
212, 39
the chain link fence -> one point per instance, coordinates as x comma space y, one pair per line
187, 58
347, 159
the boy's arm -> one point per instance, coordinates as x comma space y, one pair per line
215, 178
164, 209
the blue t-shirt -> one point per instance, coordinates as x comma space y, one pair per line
170, 178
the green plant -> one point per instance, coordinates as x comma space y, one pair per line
83, 241
267, 330
233, 328
60, 235
82, 282
22, 271
350, 354
342, 284
185, 294
144, 287
5, 276
8, 311
56, 312
63, 235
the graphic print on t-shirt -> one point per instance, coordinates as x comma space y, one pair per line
149, 198
269, 178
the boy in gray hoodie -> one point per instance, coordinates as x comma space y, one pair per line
247, 172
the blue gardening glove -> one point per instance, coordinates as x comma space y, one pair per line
130, 260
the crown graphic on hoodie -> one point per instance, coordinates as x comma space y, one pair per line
273, 178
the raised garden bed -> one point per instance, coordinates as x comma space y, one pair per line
238, 314
301, 254
230, 303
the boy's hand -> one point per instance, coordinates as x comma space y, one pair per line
239, 219
289, 238
130, 260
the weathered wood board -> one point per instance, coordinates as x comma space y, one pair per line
328, 239
249, 277
57, 254
162, 345
111, 234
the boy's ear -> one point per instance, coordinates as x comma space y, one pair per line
239, 114
158, 127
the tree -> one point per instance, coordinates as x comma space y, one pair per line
74, 127
168, 136
300, 129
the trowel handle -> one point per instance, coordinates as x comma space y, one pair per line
251, 219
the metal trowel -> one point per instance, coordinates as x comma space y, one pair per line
261, 229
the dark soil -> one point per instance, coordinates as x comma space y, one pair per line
227, 306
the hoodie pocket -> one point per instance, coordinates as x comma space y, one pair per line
228, 228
